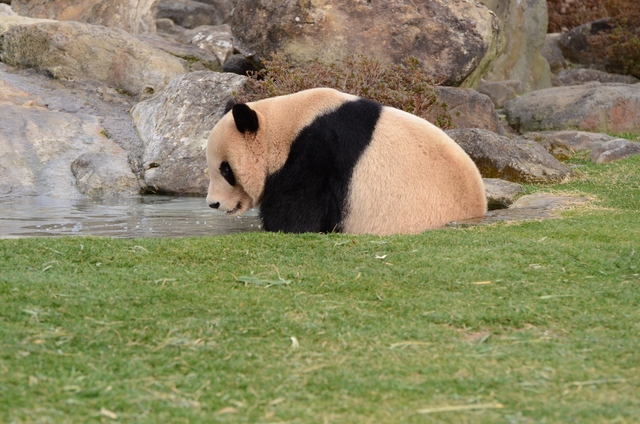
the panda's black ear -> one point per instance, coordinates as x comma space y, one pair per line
246, 118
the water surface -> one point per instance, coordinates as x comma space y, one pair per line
143, 216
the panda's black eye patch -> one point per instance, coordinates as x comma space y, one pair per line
227, 173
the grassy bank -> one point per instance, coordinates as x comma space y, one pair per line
534, 322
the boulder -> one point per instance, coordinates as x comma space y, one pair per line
501, 91
525, 25
238, 64
563, 144
5, 10
9, 20
500, 193
71, 50
553, 54
216, 39
512, 160
602, 147
468, 109
197, 58
189, 13
456, 41
98, 181
613, 108
546, 202
174, 126
224, 7
168, 29
579, 76
45, 128
614, 150
134, 16
576, 48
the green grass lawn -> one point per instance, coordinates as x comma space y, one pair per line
525, 323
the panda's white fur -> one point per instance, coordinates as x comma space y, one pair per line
322, 160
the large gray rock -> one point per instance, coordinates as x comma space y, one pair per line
525, 25
197, 58
577, 48
467, 108
174, 126
553, 54
512, 160
45, 128
97, 180
189, 13
456, 40
224, 7
501, 91
546, 202
5, 10
71, 50
500, 193
564, 144
614, 150
613, 108
134, 16
580, 76
217, 39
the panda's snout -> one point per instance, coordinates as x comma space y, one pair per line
215, 205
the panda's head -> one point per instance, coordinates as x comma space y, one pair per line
235, 156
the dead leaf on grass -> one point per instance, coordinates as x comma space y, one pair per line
109, 414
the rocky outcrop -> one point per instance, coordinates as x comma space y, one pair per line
617, 149
467, 108
580, 76
546, 202
592, 107
553, 54
501, 91
71, 50
225, 7
512, 160
564, 144
5, 10
500, 193
197, 59
456, 40
216, 39
175, 124
134, 16
576, 47
45, 127
189, 13
525, 25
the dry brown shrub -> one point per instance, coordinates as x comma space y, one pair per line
567, 14
404, 86
620, 47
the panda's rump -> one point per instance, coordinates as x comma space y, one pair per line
412, 177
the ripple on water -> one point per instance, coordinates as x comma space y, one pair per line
144, 216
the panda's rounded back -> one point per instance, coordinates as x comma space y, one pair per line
412, 177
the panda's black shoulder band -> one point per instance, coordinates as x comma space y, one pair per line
246, 119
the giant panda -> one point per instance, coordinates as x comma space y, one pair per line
324, 161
